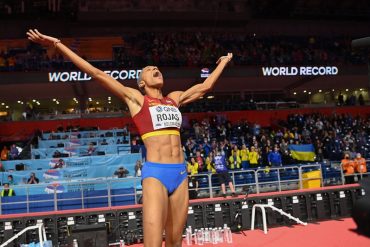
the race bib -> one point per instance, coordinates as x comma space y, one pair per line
165, 117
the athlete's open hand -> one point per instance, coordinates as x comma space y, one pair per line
226, 58
40, 38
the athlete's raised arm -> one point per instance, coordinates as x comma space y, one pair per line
198, 90
131, 96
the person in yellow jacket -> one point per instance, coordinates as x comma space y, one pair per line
235, 150
210, 163
244, 156
7, 191
235, 161
253, 157
193, 166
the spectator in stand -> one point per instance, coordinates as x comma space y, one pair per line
57, 154
91, 149
348, 169
244, 154
200, 160
11, 180
33, 179
13, 152
104, 142
361, 100
253, 157
234, 159
210, 163
7, 191
206, 147
135, 146
223, 174
274, 158
360, 165
60, 164
4, 153
192, 166
138, 168
121, 172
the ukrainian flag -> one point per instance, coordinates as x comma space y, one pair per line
304, 152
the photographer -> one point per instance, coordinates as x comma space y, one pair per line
33, 179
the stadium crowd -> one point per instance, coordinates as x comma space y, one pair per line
187, 49
332, 136
248, 145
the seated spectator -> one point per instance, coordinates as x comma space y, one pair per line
11, 180
138, 168
104, 142
91, 149
121, 172
348, 169
7, 191
13, 152
53, 136
4, 153
360, 165
57, 154
33, 179
274, 157
223, 174
60, 164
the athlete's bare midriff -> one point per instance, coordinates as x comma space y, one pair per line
165, 149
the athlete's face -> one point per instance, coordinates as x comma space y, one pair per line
151, 77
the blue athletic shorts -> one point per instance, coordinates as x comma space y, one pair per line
170, 175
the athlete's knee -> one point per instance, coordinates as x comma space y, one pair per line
152, 223
174, 243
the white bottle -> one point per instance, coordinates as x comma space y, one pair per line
224, 235
75, 243
207, 236
229, 236
196, 236
220, 235
188, 236
200, 236
214, 236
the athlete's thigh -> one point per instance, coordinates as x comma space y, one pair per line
177, 214
155, 205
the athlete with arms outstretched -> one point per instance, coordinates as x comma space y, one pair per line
158, 119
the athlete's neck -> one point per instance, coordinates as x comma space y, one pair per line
154, 93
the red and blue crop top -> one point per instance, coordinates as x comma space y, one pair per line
158, 117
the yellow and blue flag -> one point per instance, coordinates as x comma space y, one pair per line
304, 152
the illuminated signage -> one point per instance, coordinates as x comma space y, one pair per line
299, 71
204, 73
70, 76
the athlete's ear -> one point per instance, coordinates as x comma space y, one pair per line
141, 85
